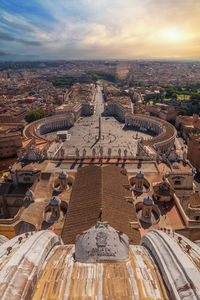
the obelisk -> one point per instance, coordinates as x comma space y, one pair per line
99, 128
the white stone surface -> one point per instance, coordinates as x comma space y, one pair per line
101, 243
179, 273
23, 268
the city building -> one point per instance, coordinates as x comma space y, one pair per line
115, 218
194, 150
10, 143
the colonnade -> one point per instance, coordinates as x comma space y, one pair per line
55, 124
165, 146
144, 122
165, 138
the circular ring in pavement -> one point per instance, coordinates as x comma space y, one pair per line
106, 138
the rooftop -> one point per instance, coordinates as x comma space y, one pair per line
181, 167
163, 188
195, 200
41, 267
100, 194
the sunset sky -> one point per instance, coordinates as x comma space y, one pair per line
98, 29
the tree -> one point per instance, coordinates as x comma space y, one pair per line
34, 115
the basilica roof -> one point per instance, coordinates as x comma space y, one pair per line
3, 239
38, 266
33, 214
100, 193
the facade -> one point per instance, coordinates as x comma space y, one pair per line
162, 111
181, 179
87, 109
193, 210
194, 151
11, 200
118, 110
24, 176
117, 102
10, 143
69, 109
16, 116
188, 125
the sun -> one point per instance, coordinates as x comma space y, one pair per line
172, 35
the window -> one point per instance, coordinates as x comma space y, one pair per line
140, 184
177, 182
147, 212
27, 179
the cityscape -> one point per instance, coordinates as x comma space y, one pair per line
99, 150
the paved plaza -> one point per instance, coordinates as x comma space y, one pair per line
114, 135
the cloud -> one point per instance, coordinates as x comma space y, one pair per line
101, 28
7, 37
30, 43
3, 53
23, 27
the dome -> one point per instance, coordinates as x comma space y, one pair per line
29, 193
101, 243
54, 201
148, 201
163, 188
63, 175
140, 175
31, 263
175, 165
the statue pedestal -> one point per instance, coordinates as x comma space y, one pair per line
99, 138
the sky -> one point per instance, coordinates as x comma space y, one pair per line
99, 29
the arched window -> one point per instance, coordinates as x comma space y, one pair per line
147, 212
